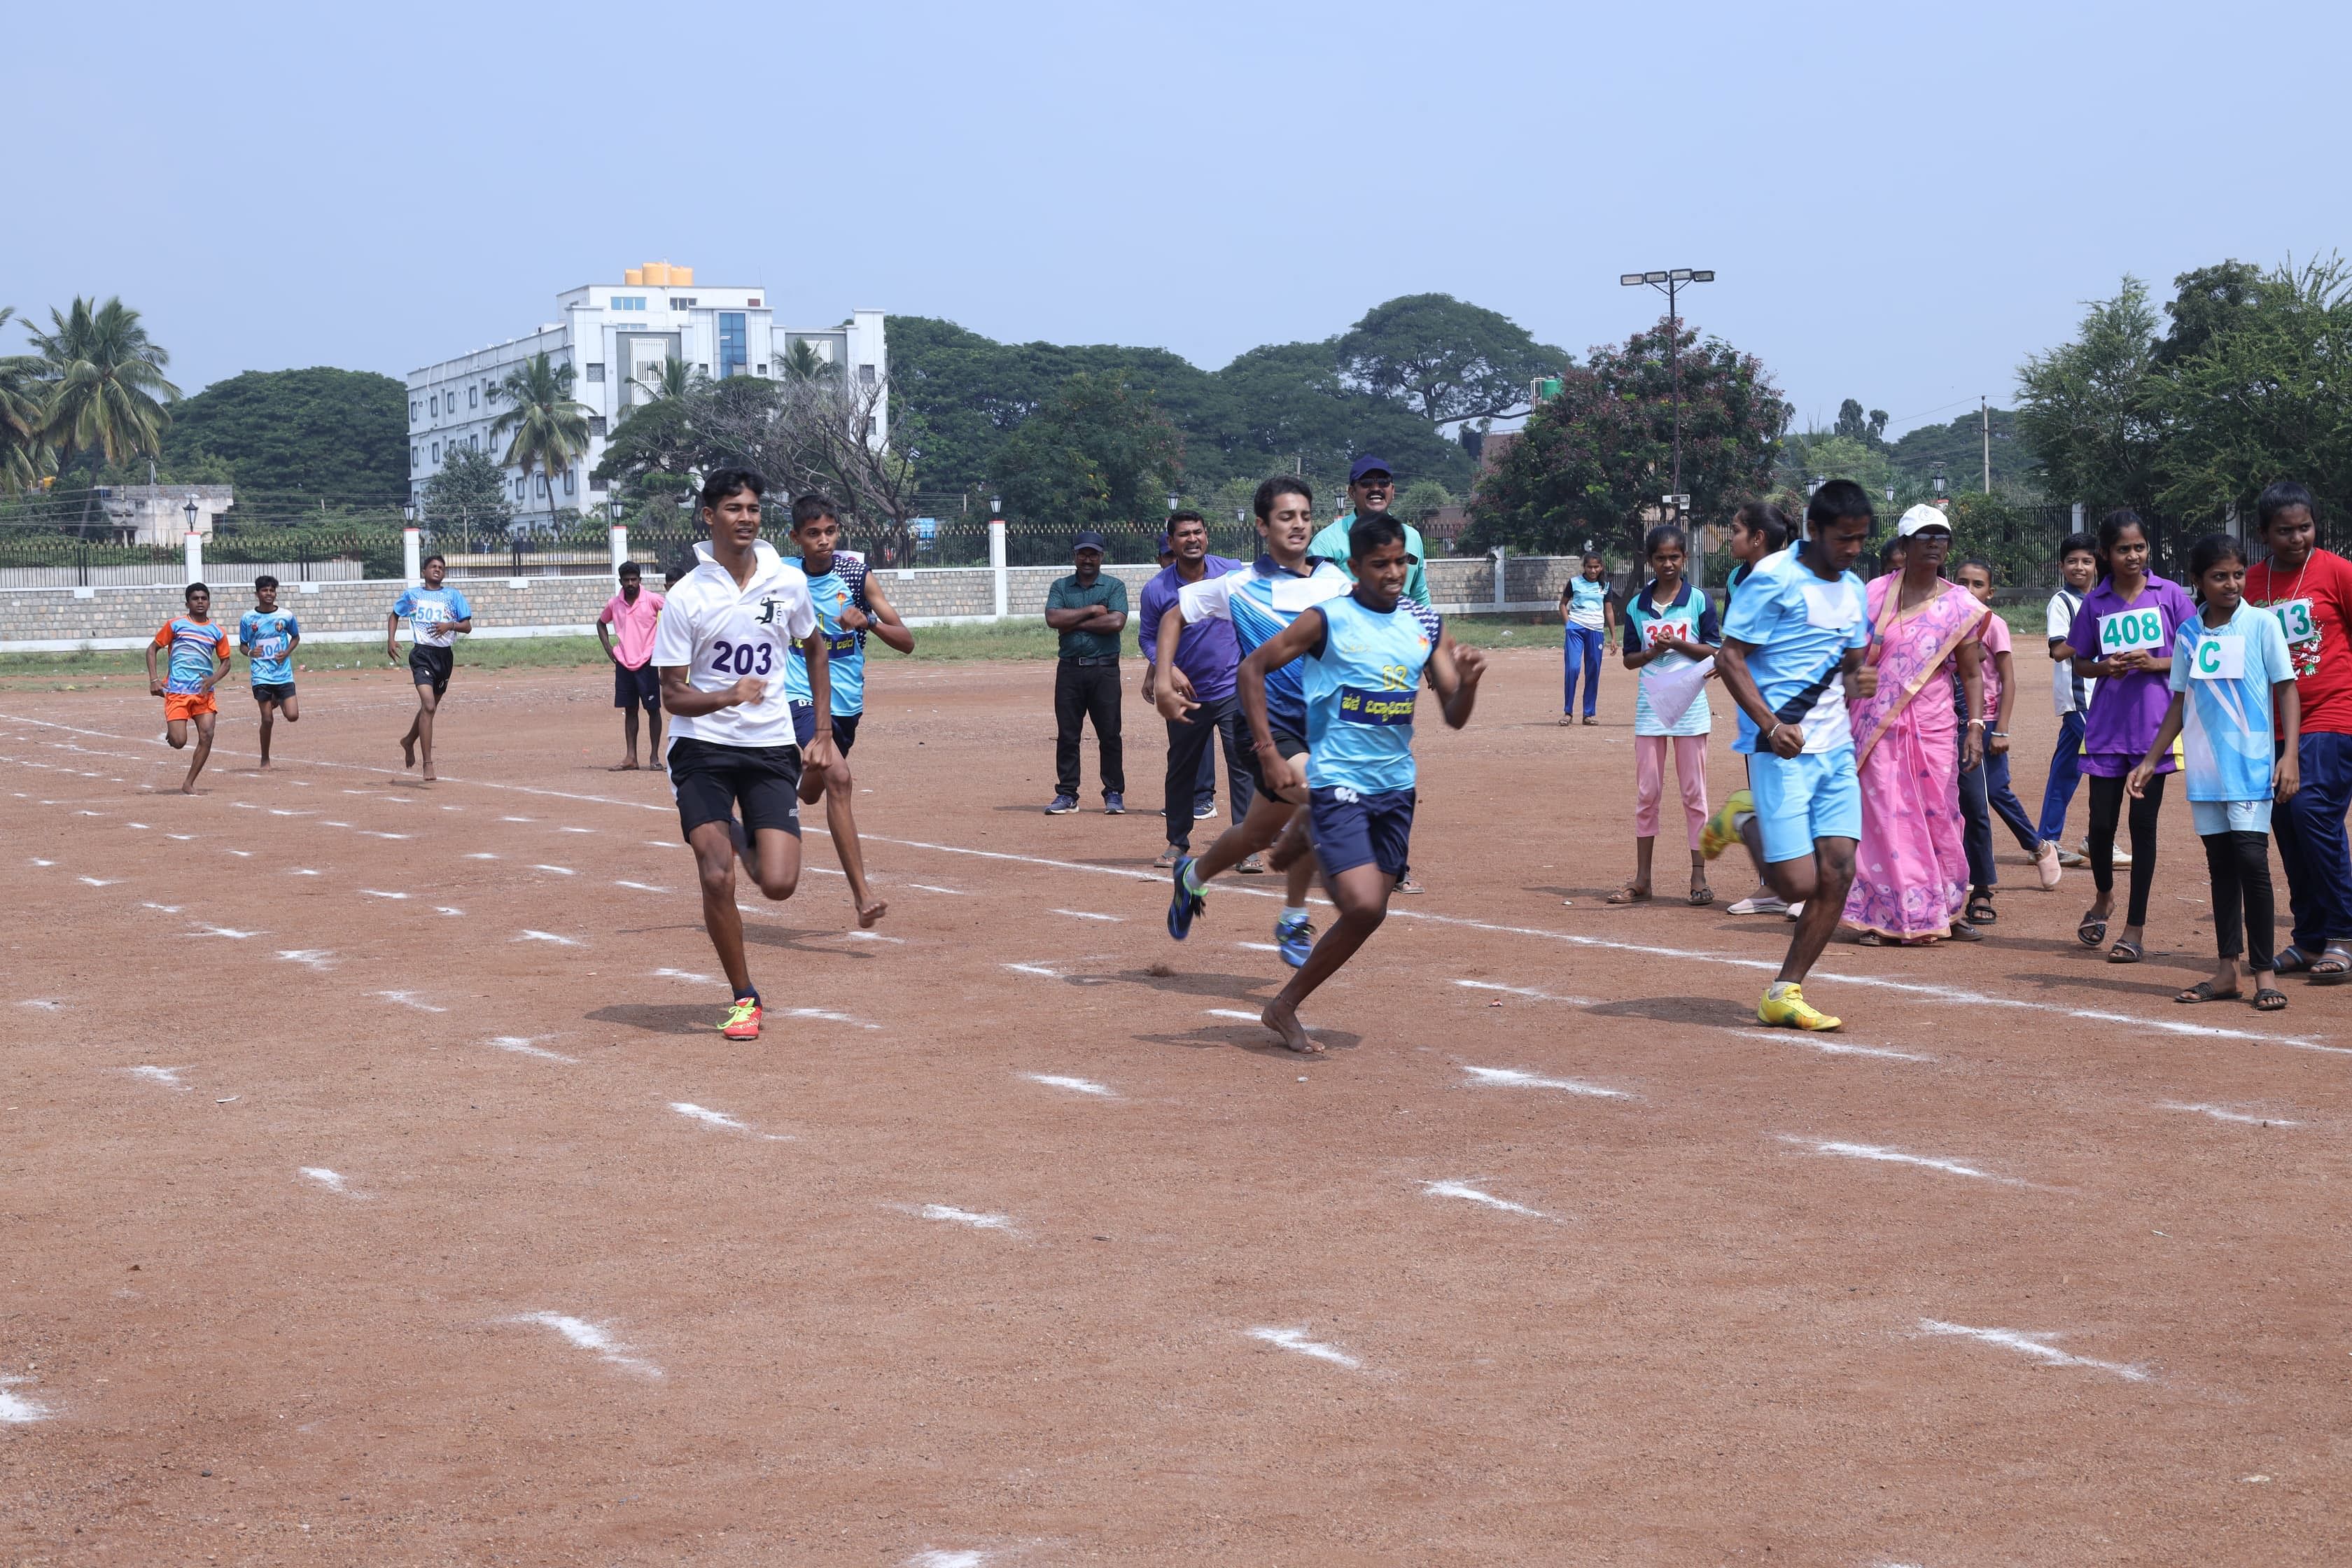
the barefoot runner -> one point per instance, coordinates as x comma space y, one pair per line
267, 637
436, 616
722, 647
199, 658
633, 612
1259, 603
849, 604
1791, 658
1366, 653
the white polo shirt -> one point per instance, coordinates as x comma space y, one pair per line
721, 634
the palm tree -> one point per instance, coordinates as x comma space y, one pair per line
550, 426
802, 362
674, 381
24, 453
104, 376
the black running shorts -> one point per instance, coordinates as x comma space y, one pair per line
710, 781
1289, 745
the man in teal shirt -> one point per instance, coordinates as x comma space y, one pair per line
1090, 611
1371, 489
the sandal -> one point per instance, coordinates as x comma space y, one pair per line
2269, 999
1980, 910
1963, 932
2203, 992
1590, 719
2293, 961
1701, 896
2124, 952
2092, 931
1873, 938
2331, 966
1631, 893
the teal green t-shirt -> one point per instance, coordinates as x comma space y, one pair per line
1108, 592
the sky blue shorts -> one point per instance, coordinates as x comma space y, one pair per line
2213, 816
1813, 795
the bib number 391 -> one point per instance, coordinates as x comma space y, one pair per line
2131, 631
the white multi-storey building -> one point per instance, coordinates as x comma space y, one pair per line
617, 338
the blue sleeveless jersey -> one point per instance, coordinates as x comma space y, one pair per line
1362, 685
844, 651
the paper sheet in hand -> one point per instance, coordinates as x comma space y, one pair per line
1672, 691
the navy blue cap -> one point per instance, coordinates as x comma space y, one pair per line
1367, 464
1088, 540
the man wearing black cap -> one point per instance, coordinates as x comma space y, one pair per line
1089, 610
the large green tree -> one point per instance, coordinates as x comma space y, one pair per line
2091, 410
468, 494
1446, 360
1100, 452
1593, 462
104, 384
24, 452
550, 426
293, 438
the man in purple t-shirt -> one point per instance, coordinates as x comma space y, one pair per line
1206, 657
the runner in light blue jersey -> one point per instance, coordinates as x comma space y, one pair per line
1260, 603
1367, 656
849, 604
267, 636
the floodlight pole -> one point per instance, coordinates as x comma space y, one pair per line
1670, 280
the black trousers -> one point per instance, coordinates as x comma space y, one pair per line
1084, 691
2107, 799
2240, 866
1192, 748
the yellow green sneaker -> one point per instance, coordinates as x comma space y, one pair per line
1722, 829
1791, 1009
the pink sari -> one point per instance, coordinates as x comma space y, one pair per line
1911, 868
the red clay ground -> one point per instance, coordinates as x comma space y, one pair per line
1711, 1342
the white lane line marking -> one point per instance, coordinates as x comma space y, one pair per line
301, 871
168, 1077
559, 870
101, 881
44, 1003
281, 811
2222, 1113
330, 1180
1075, 1085
2030, 1344
641, 886
230, 931
38, 861
575, 830
1895, 1157
380, 893
15, 1409
1464, 1191
1828, 1047
871, 935
167, 909
518, 819
142, 827
371, 833
1297, 1340
523, 1048
338, 825
1512, 1078
1233, 1013
826, 1014
708, 1117
939, 1557
445, 909
309, 957
242, 854
478, 855
1528, 991
409, 999
1087, 915
686, 975
549, 936
964, 1217
1259, 946
590, 1336
1033, 969
927, 888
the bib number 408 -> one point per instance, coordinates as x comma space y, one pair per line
2131, 631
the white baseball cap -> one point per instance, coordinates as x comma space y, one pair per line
1921, 517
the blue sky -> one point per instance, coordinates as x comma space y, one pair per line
1900, 201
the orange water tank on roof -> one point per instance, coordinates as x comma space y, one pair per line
682, 277
656, 274
634, 277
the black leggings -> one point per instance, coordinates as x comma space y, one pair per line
2241, 865
2107, 799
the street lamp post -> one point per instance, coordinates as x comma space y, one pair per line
1669, 283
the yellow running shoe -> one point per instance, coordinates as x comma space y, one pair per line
742, 1019
1722, 829
1790, 1008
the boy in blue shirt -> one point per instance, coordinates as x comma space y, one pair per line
849, 604
1365, 657
267, 637
1791, 658
436, 616
198, 647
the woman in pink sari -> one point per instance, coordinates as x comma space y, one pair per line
1911, 873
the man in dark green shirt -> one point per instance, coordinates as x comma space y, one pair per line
1090, 611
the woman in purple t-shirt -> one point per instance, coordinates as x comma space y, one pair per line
2130, 619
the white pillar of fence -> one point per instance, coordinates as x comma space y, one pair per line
620, 544
996, 567
2078, 517
195, 546
1502, 575
412, 555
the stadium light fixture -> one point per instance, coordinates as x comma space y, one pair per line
1670, 280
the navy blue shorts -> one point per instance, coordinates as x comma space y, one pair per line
638, 688
845, 727
711, 781
1353, 829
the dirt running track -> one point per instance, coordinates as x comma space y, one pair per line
376, 1191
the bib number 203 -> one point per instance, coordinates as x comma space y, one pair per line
742, 658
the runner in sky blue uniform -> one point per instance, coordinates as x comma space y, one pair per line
849, 604
1365, 655
267, 637
1260, 603
436, 614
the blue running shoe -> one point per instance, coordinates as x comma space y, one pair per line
1184, 907
1294, 934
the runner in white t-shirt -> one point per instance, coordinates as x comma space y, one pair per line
722, 645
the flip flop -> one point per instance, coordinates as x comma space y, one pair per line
2125, 952
1701, 897
2092, 931
2203, 992
2269, 999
